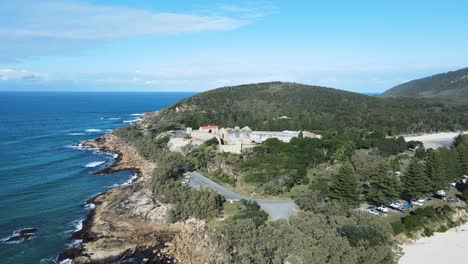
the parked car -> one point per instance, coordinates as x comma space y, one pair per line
187, 181
382, 209
440, 193
396, 205
372, 211
418, 202
464, 177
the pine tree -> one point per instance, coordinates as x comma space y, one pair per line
384, 185
461, 147
345, 186
415, 181
436, 170
463, 158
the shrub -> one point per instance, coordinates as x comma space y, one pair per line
465, 194
412, 222
447, 208
251, 211
442, 229
356, 234
398, 227
426, 211
222, 177
428, 232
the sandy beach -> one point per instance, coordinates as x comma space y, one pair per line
436, 140
448, 247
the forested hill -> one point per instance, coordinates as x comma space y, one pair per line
450, 85
304, 107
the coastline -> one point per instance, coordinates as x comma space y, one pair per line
435, 140
428, 250
127, 222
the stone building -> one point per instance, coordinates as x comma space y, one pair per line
236, 140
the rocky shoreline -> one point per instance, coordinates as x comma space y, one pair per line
127, 223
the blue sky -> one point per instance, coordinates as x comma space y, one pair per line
123, 45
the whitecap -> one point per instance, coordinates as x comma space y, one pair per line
127, 182
90, 206
78, 225
75, 134
94, 164
74, 243
82, 147
113, 118
138, 114
16, 236
66, 261
93, 130
133, 178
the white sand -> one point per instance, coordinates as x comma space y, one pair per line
435, 140
448, 247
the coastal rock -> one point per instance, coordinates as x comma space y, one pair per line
127, 158
127, 222
193, 244
20, 235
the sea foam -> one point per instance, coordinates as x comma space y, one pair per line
127, 182
75, 134
74, 243
78, 225
93, 130
66, 261
90, 206
94, 164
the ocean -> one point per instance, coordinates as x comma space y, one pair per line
45, 179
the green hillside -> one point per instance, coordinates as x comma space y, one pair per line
308, 108
450, 85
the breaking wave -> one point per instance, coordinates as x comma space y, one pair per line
94, 164
75, 134
93, 130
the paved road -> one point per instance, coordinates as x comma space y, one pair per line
276, 208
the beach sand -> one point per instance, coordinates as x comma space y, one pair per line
448, 247
435, 140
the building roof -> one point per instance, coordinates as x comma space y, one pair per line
208, 127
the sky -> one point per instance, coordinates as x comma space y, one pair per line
197, 45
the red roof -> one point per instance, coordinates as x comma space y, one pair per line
207, 127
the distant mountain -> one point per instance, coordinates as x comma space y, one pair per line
450, 85
308, 108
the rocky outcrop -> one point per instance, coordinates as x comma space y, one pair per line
127, 159
128, 222
184, 248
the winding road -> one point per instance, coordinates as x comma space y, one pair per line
276, 208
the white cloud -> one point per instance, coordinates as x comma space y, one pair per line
17, 75
78, 20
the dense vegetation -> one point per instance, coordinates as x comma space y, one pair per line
354, 162
451, 85
309, 108
427, 219
165, 181
436, 169
333, 236
274, 167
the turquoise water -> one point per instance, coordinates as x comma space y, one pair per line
45, 181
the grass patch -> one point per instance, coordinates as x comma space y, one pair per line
232, 208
